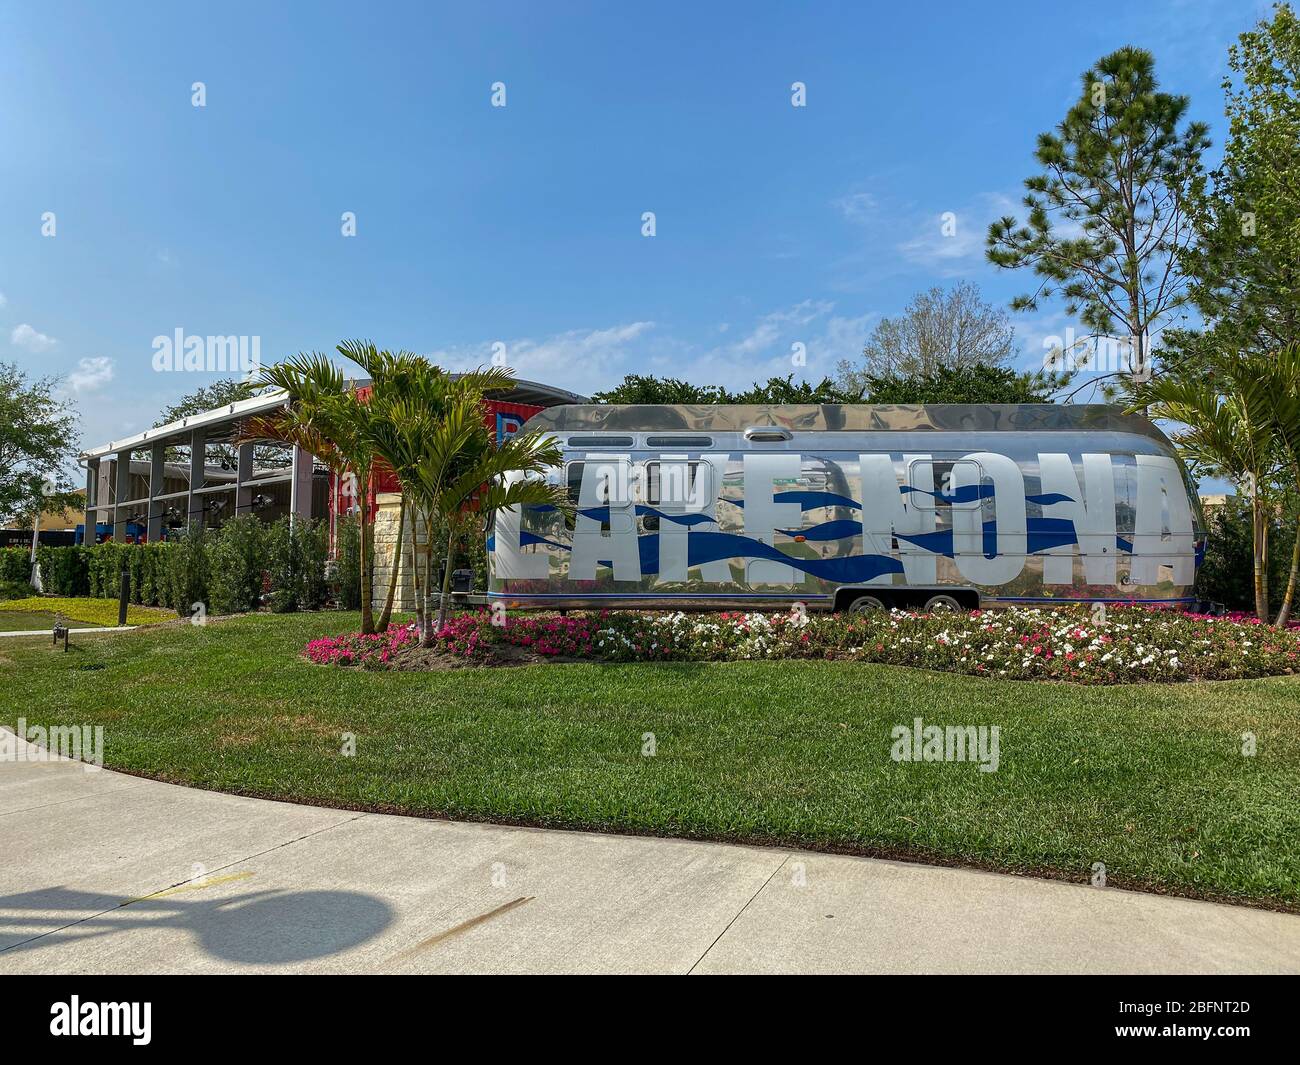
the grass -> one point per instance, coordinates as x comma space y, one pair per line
1148, 779
86, 611
41, 621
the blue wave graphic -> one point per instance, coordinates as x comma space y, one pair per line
717, 547
827, 530
806, 500
966, 493
526, 538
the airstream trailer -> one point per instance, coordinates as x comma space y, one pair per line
852, 507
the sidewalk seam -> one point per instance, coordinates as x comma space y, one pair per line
64, 802
784, 858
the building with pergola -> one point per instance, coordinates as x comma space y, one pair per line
196, 472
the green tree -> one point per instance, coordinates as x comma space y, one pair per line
218, 394
640, 388
1109, 214
965, 384
954, 328
788, 390
38, 440
1245, 266
1227, 429
644, 388
327, 418
429, 427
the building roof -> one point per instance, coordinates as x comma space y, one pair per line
177, 433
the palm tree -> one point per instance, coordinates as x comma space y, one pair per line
474, 480
327, 418
391, 376
1281, 386
452, 471
1230, 432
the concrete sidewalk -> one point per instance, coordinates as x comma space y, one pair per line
104, 873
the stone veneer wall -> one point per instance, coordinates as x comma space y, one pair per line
386, 518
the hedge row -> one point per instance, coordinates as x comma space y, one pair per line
236, 568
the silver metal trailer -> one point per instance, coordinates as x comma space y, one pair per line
853, 507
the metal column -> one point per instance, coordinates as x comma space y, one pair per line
198, 464
244, 472
154, 512
300, 487
122, 492
92, 500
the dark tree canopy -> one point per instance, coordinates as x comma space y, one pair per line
978, 383
640, 388
38, 440
964, 384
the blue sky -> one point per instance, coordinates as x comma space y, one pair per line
521, 225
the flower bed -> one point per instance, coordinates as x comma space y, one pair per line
1119, 645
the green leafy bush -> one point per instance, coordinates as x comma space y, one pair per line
186, 572
65, 571
1227, 575
348, 551
15, 564
238, 562
312, 538
283, 567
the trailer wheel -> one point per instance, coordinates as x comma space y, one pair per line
938, 603
865, 604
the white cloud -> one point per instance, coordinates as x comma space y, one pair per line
578, 355
590, 360
859, 207
91, 374
3, 299
24, 336
951, 241
772, 326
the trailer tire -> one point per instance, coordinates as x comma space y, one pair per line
938, 603
866, 604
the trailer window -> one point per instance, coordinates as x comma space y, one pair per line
938, 491
676, 487
573, 488
681, 488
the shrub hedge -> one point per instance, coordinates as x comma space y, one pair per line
229, 570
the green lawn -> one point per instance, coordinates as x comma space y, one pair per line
29, 621
1149, 779
79, 612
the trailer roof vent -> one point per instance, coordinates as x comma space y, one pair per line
766, 434
679, 441
601, 441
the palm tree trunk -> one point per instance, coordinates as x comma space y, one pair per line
446, 577
397, 562
415, 572
1284, 615
426, 629
1259, 531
